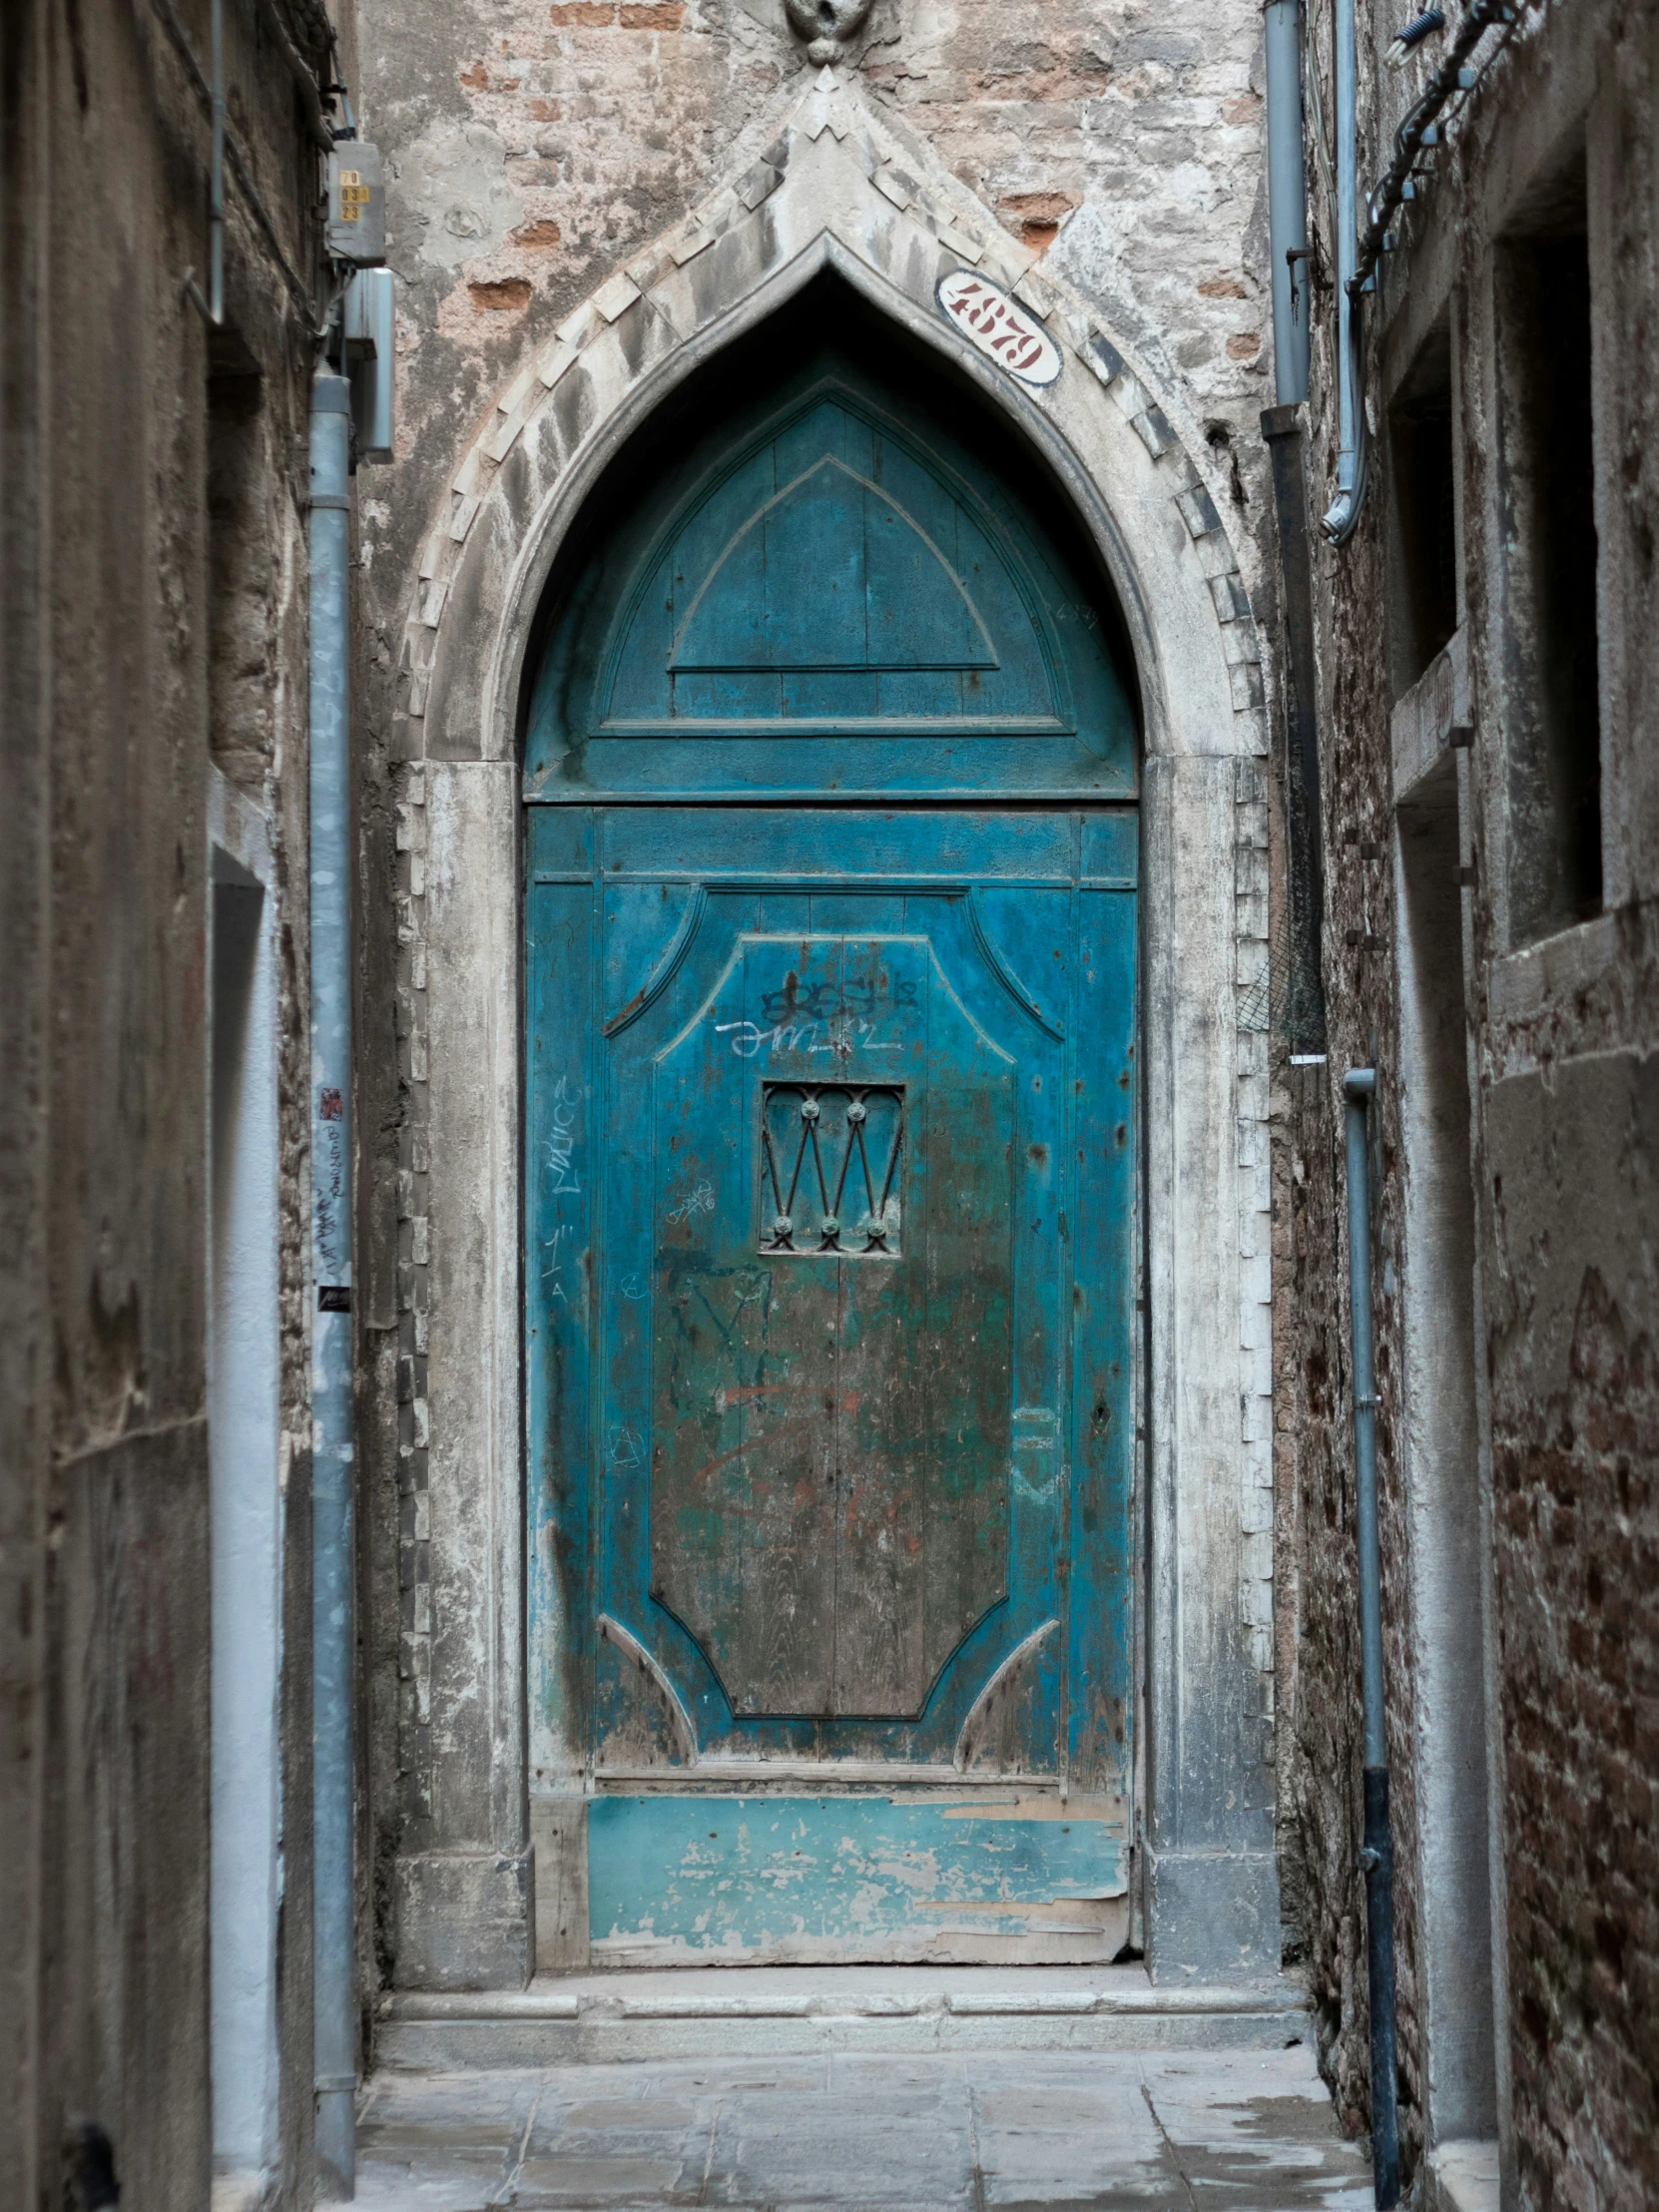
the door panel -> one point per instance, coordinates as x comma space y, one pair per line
831, 1268
833, 1310
820, 1879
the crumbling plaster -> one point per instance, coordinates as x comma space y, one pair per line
118, 559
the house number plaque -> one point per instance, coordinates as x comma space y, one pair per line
1012, 339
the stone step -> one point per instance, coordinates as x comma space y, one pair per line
775, 2012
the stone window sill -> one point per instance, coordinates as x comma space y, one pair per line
1554, 971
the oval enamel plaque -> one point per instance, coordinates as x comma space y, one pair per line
1013, 339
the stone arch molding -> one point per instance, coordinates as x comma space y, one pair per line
837, 189
490, 1836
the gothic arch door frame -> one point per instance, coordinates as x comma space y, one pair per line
830, 858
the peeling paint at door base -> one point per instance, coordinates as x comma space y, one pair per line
771, 1879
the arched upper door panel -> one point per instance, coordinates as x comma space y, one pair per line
831, 592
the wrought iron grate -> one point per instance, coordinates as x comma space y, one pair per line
830, 1168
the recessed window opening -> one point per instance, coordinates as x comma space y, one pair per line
1546, 482
1423, 538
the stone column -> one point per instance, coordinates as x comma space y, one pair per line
1213, 1885
463, 1896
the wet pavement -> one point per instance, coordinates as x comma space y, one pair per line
988, 2131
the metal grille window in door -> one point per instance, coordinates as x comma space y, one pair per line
830, 1158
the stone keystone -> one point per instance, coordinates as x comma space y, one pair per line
829, 26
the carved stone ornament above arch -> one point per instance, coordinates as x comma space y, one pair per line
829, 26
837, 189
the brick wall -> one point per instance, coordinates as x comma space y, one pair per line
1562, 1034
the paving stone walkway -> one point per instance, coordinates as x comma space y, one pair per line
1233, 2132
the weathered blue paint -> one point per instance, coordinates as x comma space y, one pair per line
825, 598
985, 967
735, 1872
830, 1163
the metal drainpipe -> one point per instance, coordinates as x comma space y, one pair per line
332, 1471
1378, 1856
210, 305
1342, 514
1283, 429
1287, 200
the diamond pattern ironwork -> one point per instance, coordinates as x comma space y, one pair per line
829, 1169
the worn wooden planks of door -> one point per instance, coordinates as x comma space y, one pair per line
855, 1248
828, 1481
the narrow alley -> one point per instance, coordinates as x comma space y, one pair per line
1155, 2131
829, 1000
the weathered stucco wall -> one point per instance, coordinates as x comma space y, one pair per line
145, 469
1560, 1032
534, 148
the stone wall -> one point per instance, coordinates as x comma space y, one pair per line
534, 154
1558, 1019
152, 578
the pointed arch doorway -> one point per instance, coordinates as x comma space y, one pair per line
830, 859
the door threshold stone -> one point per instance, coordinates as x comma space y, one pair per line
778, 2012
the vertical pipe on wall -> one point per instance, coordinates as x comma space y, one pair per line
1347, 219
211, 303
216, 186
1287, 200
332, 1471
1343, 512
1376, 1857
1304, 1016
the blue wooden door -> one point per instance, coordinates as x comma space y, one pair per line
831, 1145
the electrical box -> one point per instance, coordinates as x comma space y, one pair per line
370, 333
356, 221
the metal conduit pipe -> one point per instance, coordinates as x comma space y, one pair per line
332, 1471
1343, 515
1282, 426
318, 125
1287, 200
212, 307
1377, 1855
1420, 129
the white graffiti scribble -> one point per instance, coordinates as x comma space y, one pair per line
561, 1146
553, 1272
842, 1037
623, 1448
700, 1201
